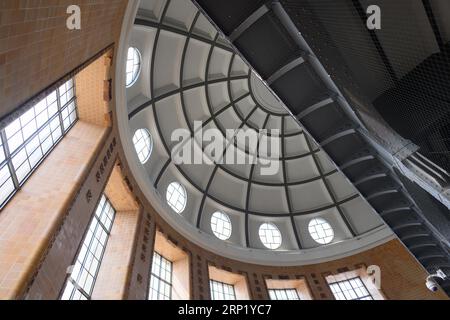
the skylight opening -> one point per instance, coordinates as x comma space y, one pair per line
133, 67
176, 197
270, 236
321, 231
143, 144
221, 225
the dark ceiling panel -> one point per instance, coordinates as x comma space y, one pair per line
229, 14
300, 88
266, 44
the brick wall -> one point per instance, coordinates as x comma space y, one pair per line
36, 48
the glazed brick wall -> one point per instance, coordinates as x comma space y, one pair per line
115, 270
91, 83
47, 276
114, 273
29, 220
36, 48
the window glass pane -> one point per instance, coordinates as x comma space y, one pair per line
283, 294
270, 236
6, 184
176, 197
30, 137
221, 225
143, 144
351, 289
133, 66
221, 291
2, 152
82, 279
160, 279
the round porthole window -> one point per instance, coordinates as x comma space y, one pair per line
133, 67
176, 197
143, 144
321, 231
270, 236
221, 225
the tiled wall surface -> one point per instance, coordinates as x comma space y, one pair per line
37, 49
91, 83
29, 220
115, 270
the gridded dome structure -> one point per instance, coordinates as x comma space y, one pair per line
191, 74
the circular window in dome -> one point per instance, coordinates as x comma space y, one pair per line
143, 144
133, 66
176, 197
221, 225
270, 235
321, 231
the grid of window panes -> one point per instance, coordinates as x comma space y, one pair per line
29, 139
222, 291
161, 278
221, 225
81, 281
176, 197
351, 289
283, 294
270, 236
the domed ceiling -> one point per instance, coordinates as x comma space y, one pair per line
189, 75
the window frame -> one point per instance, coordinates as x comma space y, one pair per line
220, 234
100, 224
144, 131
159, 279
222, 285
285, 291
172, 204
314, 231
139, 64
9, 157
337, 283
272, 227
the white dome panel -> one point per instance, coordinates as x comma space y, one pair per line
239, 67
219, 63
301, 169
218, 95
204, 28
239, 88
341, 188
152, 9
166, 75
195, 102
181, 14
361, 215
309, 196
268, 199
228, 189
194, 67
